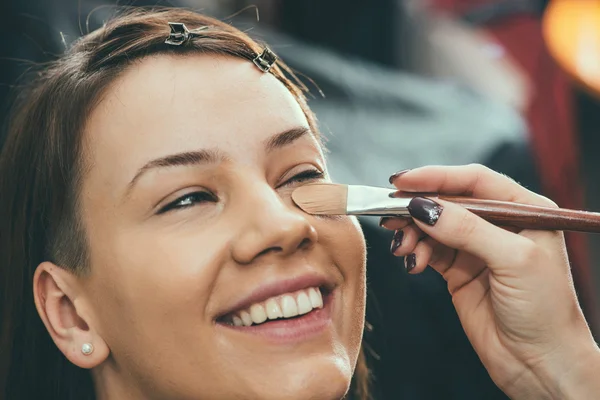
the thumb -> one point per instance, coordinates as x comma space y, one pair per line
458, 228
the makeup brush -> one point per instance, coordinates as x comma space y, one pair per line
336, 199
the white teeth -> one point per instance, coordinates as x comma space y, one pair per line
246, 318
282, 306
289, 306
304, 305
316, 299
258, 314
273, 309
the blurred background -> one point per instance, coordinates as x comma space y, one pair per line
512, 84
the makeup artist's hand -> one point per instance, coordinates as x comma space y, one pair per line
513, 291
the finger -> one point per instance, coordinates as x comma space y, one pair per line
460, 269
465, 268
430, 252
460, 229
469, 180
405, 240
471, 301
417, 261
442, 258
395, 223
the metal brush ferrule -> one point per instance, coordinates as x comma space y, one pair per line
368, 200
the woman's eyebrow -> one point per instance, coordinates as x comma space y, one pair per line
285, 138
208, 156
178, 159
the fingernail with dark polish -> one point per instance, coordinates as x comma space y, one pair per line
397, 241
425, 210
410, 262
397, 174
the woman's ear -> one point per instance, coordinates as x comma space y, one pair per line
56, 292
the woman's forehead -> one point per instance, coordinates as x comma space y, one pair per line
218, 95
172, 104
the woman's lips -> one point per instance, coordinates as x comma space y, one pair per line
291, 330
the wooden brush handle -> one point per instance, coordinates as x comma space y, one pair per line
529, 217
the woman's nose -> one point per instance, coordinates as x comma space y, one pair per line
270, 226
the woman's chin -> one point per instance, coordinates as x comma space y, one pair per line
324, 379
313, 387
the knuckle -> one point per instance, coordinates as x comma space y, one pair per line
436, 253
478, 167
482, 172
479, 172
423, 252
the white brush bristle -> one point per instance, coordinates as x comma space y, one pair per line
322, 198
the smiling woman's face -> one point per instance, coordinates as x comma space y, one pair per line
193, 236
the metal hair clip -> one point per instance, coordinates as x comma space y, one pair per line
181, 34
266, 60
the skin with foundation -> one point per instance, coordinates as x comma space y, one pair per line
193, 235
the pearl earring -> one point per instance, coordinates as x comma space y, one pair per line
87, 349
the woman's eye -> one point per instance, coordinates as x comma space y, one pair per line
189, 200
308, 175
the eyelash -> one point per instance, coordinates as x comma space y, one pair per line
196, 197
308, 175
203, 196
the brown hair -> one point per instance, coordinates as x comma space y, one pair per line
40, 171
